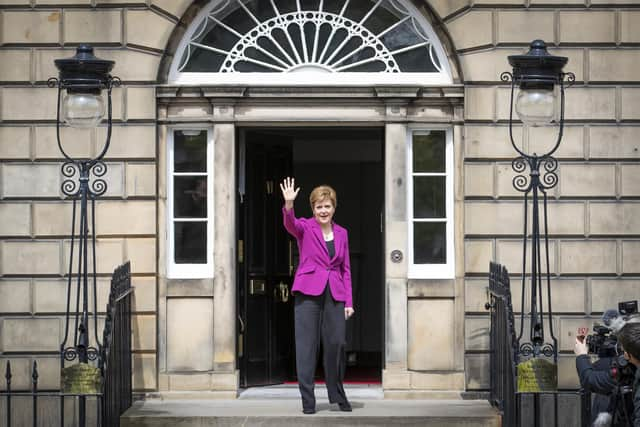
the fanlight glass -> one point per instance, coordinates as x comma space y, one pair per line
82, 110
536, 107
331, 36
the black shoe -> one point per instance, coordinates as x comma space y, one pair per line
345, 406
308, 411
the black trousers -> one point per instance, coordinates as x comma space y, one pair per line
320, 318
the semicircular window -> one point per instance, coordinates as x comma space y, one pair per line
299, 38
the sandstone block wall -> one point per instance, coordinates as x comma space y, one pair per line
35, 221
595, 234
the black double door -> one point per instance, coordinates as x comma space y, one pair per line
266, 263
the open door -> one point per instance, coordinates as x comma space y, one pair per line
266, 342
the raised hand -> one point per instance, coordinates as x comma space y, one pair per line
287, 187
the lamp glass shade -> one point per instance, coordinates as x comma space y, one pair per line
82, 110
536, 106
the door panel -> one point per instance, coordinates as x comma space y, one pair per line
266, 305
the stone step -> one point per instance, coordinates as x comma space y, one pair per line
284, 412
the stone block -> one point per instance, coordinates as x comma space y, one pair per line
516, 26
396, 323
77, 143
568, 330
542, 139
479, 103
396, 380
54, 219
189, 334
21, 369
28, 103
49, 373
629, 183
132, 65
130, 141
30, 180
141, 103
15, 142
395, 166
140, 179
447, 7
143, 330
43, 62
174, 7
477, 255
144, 295
147, 28
493, 218
144, 372
588, 257
437, 380
587, 180
567, 295
486, 65
479, 179
587, 26
476, 295
30, 257
31, 335
629, 28
431, 288
125, 217
490, 142
109, 254
504, 180
509, 253
614, 218
16, 65
15, 219
477, 371
15, 296
19, 26
190, 382
431, 325
630, 101
630, 256
50, 295
142, 254
567, 374
93, 26
222, 381
476, 333
614, 142
482, 23
607, 293
590, 103
613, 65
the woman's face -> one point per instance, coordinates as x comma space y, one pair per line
323, 211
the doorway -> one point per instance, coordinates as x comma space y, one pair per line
351, 161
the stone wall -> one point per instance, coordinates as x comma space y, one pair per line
35, 222
594, 210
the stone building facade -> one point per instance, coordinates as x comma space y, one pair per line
434, 337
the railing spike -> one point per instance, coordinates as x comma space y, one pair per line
34, 374
7, 374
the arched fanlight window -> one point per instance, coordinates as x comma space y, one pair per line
310, 42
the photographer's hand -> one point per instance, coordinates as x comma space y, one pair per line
580, 347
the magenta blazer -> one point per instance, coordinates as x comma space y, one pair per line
315, 267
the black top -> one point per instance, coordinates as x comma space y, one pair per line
331, 247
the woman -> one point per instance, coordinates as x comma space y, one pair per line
322, 289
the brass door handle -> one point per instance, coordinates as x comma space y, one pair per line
281, 292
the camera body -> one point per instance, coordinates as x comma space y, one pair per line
604, 341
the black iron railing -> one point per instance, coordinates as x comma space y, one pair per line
560, 408
25, 407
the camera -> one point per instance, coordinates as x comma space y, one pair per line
604, 341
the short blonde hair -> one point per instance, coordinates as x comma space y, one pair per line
323, 192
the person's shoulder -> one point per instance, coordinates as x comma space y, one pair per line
339, 228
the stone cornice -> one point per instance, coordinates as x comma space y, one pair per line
450, 93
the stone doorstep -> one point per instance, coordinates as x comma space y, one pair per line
287, 412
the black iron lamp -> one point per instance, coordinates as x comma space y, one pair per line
82, 80
541, 81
